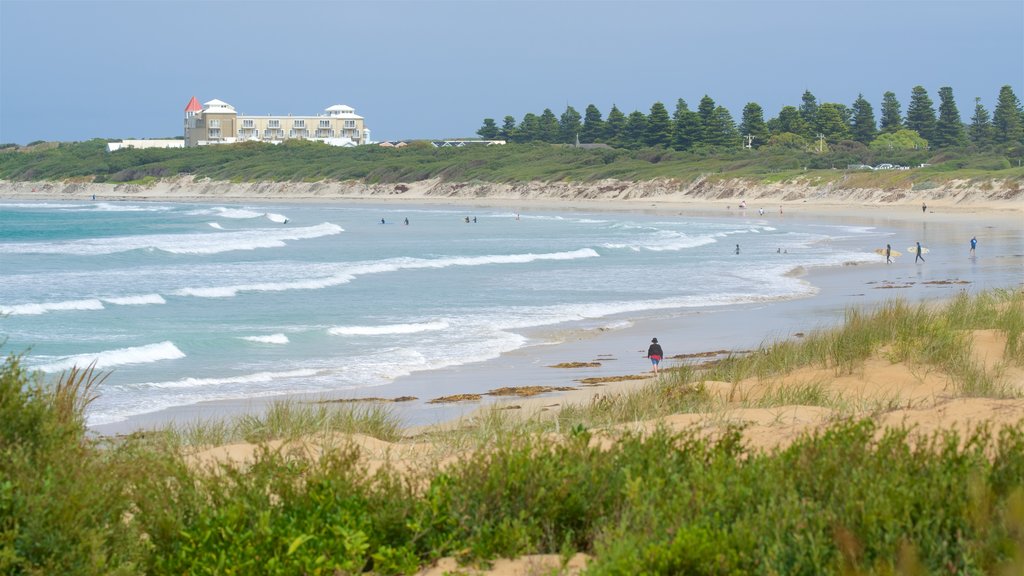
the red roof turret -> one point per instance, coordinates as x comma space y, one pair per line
193, 106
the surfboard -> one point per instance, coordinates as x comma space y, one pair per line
892, 253
913, 250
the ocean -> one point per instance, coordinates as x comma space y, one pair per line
186, 303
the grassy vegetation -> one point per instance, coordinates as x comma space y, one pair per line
302, 161
851, 499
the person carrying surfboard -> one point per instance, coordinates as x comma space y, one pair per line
888, 254
918, 257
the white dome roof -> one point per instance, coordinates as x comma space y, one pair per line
340, 108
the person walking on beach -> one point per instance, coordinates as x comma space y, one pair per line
974, 244
655, 354
924, 207
406, 220
888, 254
918, 250
737, 248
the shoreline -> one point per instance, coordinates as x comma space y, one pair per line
527, 365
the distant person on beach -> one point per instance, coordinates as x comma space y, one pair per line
655, 354
919, 257
737, 248
888, 254
760, 211
924, 207
474, 219
974, 244
780, 209
407, 221
382, 221
467, 219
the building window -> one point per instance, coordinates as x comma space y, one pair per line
325, 123
350, 123
214, 123
300, 123
273, 123
247, 124
214, 133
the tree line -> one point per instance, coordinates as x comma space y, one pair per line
809, 126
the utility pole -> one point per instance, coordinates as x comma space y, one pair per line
750, 139
821, 142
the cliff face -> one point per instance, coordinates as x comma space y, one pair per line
1008, 193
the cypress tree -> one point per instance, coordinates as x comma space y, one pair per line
593, 125
891, 120
489, 131
721, 129
529, 128
686, 127
752, 124
1006, 120
569, 125
832, 122
809, 113
921, 114
949, 130
791, 121
614, 126
659, 127
981, 125
863, 127
705, 112
508, 129
547, 126
635, 129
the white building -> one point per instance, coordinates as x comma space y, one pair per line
217, 122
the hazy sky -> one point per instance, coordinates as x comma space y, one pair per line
81, 69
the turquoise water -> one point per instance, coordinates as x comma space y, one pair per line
185, 303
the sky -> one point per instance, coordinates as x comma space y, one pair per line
76, 70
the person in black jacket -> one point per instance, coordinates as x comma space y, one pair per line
655, 354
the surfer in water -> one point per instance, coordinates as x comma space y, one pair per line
974, 244
655, 354
918, 250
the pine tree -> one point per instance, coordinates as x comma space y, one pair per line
659, 127
508, 129
593, 126
921, 114
809, 113
1006, 119
949, 129
614, 126
862, 127
569, 126
547, 125
529, 128
832, 122
635, 129
891, 120
686, 128
752, 124
981, 125
705, 110
789, 120
720, 129
489, 131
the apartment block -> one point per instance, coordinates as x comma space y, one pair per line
217, 122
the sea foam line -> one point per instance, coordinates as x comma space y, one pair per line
268, 339
256, 378
388, 329
177, 243
33, 308
351, 272
108, 358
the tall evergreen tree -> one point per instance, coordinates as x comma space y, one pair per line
489, 131
949, 129
547, 125
791, 121
508, 129
863, 125
720, 129
891, 120
705, 109
832, 122
809, 113
1006, 119
686, 128
529, 128
614, 126
569, 126
921, 113
635, 129
981, 125
659, 127
752, 124
593, 125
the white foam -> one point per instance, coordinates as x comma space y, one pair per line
387, 329
137, 300
178, 243
665, 241
279, 218
215, 225
236, 213
118, 357
269, 339
33, 308
259, 377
